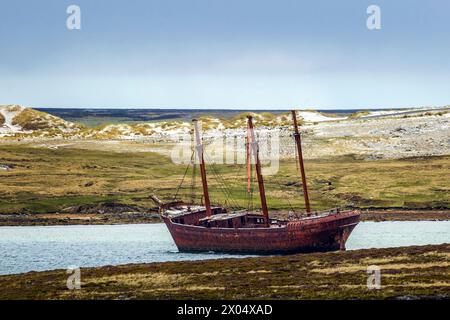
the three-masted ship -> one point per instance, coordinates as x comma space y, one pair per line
201, 228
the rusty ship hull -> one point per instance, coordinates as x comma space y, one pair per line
313, 234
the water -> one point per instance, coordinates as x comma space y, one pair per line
24, 249
390, 234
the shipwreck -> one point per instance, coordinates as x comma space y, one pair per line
206, 227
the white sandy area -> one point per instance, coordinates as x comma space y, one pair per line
7, 127
311, 116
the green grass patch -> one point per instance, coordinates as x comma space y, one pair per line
48, 180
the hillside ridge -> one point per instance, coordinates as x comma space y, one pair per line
23, 122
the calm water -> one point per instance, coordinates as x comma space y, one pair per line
24, 249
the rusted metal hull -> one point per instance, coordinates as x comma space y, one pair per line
315, 234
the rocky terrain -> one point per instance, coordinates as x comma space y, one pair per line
421, 134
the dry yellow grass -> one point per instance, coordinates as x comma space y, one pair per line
388, 266
370, 261
445, 255
259, 271
153, 280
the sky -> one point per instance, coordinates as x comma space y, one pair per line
236, 54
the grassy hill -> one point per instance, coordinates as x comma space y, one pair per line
33, 120
23, 122
43, 180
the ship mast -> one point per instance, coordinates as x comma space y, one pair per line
255, 150
300, 159
199, 150
249, 162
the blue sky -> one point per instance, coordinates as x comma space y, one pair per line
225, 54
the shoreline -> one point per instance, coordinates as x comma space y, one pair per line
54, 219
406, 272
